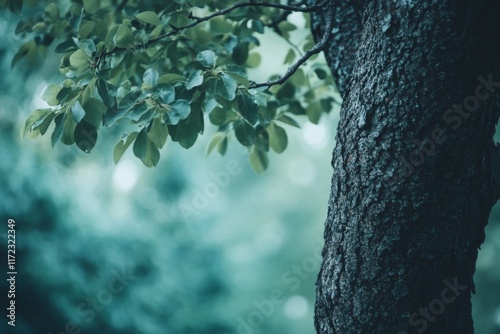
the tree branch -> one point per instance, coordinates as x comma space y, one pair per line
320, 46
197, 20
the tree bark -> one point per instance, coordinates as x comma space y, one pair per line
415, 168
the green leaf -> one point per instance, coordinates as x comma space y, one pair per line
258, 160
124, 36
314, 111
150, 79
149, 17
43, 124
326, 104
320, 73
103, 90
49, 94
158, 132
68, 137
58, 130
228, 88
290, 56
222, 148
66, 46
86, 45
170, 77
79, 59
85, 136
122, 146
94, 111
25, 49
179, 110
248, 108
216, 140
286, 26
36, 116
240, 53
167, 94
220, 25
195, 79
207, 58
278, 139
220, 116
77, 112
146, 150
209, 102
254, 60
91, 6
245, 133
288, 120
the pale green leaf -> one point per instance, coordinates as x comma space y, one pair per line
258, 160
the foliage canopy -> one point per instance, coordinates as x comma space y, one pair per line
156, 69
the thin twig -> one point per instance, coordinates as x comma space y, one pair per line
317, 48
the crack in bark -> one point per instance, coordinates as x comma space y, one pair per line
495, 168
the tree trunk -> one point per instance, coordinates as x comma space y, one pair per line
415, 168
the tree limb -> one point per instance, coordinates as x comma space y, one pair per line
320, 46
197, 20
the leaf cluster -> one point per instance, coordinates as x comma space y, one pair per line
160, 69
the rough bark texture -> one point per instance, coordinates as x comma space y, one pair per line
415, 169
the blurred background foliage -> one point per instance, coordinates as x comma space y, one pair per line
199, 258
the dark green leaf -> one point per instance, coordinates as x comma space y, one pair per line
94, 111
85, 136
320, 73
245, 133
222, 148
58, 130
248, 108
240, 53
66, 46
146, 150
